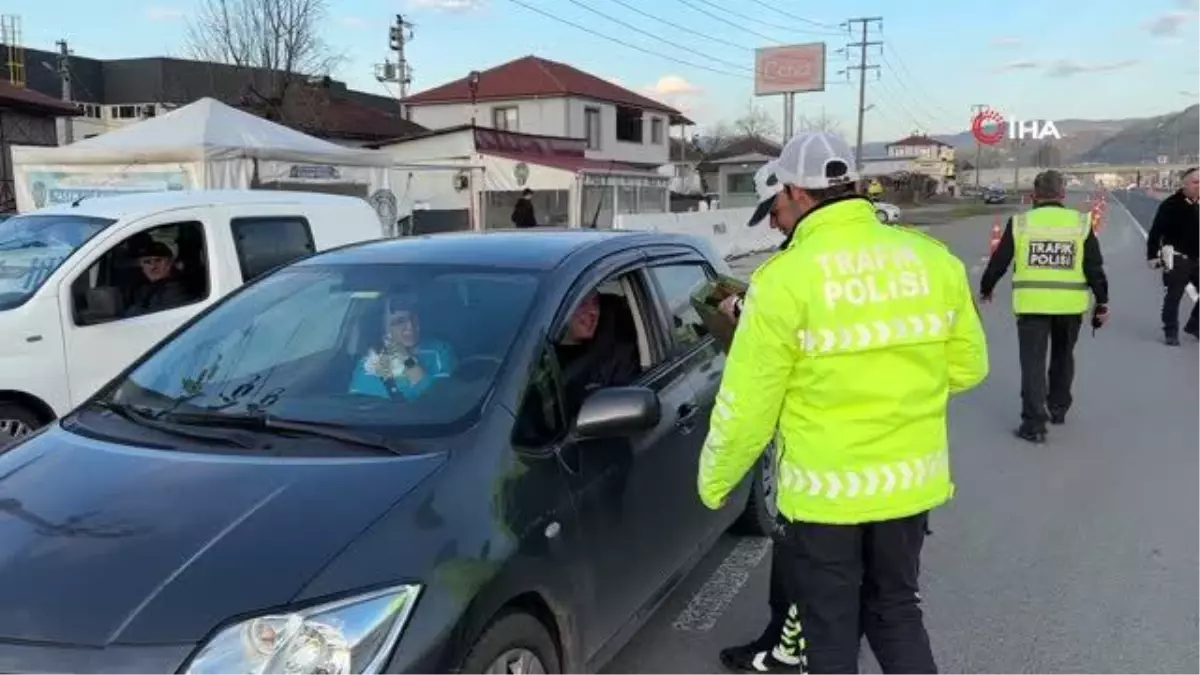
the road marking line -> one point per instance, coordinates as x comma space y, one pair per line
713, 598
1192, 290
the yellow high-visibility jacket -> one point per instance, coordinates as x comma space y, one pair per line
850, 343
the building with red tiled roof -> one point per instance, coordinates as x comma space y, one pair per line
916, 145
532, 95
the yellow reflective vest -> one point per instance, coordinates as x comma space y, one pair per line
850, 343
1048, 274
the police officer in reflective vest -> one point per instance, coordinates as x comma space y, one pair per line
1057, 260
849, 343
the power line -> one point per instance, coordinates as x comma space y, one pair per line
676, 45
775, 9
728, 22
744, 17
685, 29
623, 43
913, 82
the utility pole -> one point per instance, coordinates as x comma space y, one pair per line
975, 110
64, 73
862, 68
399, 33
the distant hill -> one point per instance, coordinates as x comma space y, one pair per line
1174, 135
1099, 141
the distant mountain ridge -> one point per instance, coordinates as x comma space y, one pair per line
1119, 141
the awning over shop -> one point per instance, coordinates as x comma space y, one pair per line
510, 172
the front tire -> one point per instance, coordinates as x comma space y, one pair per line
758, 519
16, 422
513, 643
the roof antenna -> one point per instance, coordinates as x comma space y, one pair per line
75, 203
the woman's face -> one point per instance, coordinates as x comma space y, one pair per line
404, 327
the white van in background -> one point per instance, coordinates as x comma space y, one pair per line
76, 302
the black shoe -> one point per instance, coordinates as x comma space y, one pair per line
1172, 340
744, 659
1037, 437
756, 657
1058, 417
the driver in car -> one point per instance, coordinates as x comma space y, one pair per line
593, 353
404, 365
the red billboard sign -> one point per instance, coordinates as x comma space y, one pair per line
785, 70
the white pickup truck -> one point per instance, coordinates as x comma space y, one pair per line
87, 288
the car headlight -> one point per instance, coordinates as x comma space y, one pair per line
354, 635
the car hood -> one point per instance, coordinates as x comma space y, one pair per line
103, 543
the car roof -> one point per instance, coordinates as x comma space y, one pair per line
132, 205
539, 248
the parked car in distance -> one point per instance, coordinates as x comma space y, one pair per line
995, 194
78, 304
887, 212
401, 456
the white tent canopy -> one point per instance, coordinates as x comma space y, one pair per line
206, 130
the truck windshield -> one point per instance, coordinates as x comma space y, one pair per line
33, 246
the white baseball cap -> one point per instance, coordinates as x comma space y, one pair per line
813, 160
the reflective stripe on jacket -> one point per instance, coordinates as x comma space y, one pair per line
1048, 256
850, 343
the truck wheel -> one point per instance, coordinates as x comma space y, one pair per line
514, 643
16, 421
761, 508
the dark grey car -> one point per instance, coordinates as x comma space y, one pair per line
256, 495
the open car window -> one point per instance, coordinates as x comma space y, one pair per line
329, 345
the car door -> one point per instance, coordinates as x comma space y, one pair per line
103, 332
700, 363
617, 483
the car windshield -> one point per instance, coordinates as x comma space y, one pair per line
399, 351
33, 246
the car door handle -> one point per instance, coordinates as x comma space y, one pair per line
686, 414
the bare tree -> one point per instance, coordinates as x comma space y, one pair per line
823, 123
756, 123
276, 43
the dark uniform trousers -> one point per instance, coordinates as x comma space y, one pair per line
1046, 391
1175, 283
847, 581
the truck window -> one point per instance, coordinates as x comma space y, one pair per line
151, 271
266, 242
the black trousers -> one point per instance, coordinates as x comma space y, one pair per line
1043, 389
1176, 281
846, 581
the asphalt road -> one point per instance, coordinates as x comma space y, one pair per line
1077, 556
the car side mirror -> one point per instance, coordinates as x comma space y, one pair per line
618, 411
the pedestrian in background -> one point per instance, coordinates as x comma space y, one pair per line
856, 383
523, 215
1057, 260
1177, 225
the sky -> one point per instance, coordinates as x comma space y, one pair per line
1028, 59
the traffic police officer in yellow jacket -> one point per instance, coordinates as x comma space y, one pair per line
850, 343
1057, 260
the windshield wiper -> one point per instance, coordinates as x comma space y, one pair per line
147, 419
264, 422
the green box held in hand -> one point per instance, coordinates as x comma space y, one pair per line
707, 300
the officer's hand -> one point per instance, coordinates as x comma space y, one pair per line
1101, 314
728, 307
1155, 263
985, 298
